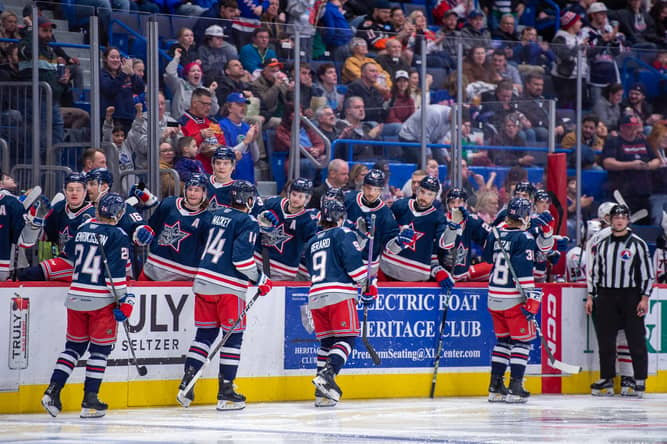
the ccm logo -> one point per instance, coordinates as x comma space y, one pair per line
552, 326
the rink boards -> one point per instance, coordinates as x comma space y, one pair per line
278, 354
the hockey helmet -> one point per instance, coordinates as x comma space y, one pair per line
111, 206
196, 180
100, 175
332, 194
604, 209
592, 227
333, 211
619, 210
75, 177
430, 183
301, 185
457, 193
222, 153
519, 208
375, 178
542, 195
525, 187
241, 191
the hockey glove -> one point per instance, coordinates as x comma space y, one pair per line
405, 237
144, 196
264, 284
543, 219
445, 280
34, 218
370, 294
561, 243
532, 304
124, 309
143, 235
268, 217
553, 257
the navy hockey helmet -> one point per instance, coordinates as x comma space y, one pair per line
333, 211
196, 180
457, 193
241, 191
111, 206
519, 208
75, 177
333, 194
542, 195
430, 183
375, 178
525, 187
301, 185
222, 153
619, 210
100, 175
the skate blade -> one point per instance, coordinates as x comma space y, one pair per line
322, 401
50, 408
229, 405
91, 413
330, 393
496, 397
602, 392
514, 399
183, 400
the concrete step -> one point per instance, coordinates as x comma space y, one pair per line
265, 188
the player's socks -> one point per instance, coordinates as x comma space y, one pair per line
497, 389
92, 407
51, 399
228, 399
516, 392
186, 400
603, 387
325, 381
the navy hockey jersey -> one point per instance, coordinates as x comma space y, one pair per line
335, 266
11, 225
61, 224
130, 221
285, 242
218, 193
386, 227
91, 288
227, 263
180, 235
456, 256
414, 262
520, 246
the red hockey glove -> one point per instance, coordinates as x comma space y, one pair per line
264, 284
124, 309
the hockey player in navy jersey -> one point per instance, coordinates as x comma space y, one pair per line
461, 231
11, 225
336, 268
181, 226
286, 226
410, 255
525, 190
220, 182
226, 269
542, 226
509, 311
360, 205
93, 306
60, 227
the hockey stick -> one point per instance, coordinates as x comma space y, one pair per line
634, 217
436, 364
141, 369
553, 362
182, 393
364, 331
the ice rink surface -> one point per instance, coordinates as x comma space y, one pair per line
545, 418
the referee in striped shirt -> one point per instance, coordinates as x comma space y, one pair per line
623, 275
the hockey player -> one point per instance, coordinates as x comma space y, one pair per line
542, 226
60, 226
660, 255
577, 260
335, 266
220, 182
461, 230
225, 270
360, 205
11, 225
94, 305
286, 226
181, 226
509, 311
410, 255
525, 190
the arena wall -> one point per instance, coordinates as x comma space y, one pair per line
277, 361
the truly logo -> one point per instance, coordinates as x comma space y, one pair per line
19, 325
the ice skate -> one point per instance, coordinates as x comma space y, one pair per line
92, 407
322, 401
185, 399
51, 399
628, 386
497, 389
326, 383
640, 388
516, 393
603, 387
228, 399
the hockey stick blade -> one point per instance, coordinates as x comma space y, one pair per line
553, 362
618, 197
639, 215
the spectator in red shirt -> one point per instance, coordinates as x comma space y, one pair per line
196, 123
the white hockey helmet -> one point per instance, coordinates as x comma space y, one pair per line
604, 209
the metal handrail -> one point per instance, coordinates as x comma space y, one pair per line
327, 144
4, 148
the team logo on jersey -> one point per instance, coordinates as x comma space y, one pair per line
418, 235
64, 237
172, 236
461, 255
276, 238
626, 255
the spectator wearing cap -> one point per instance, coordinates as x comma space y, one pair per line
450, 32
271, 87
223, 14
215, 53
628, 160
474, 33
254, 54
564, 71
393, 60
608, 108
401, 105
636, 100
181, 87
367, 88
580, 8
242, 136
336, 32
328, 83
377, 29
352, 67
638, 26
604, 45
